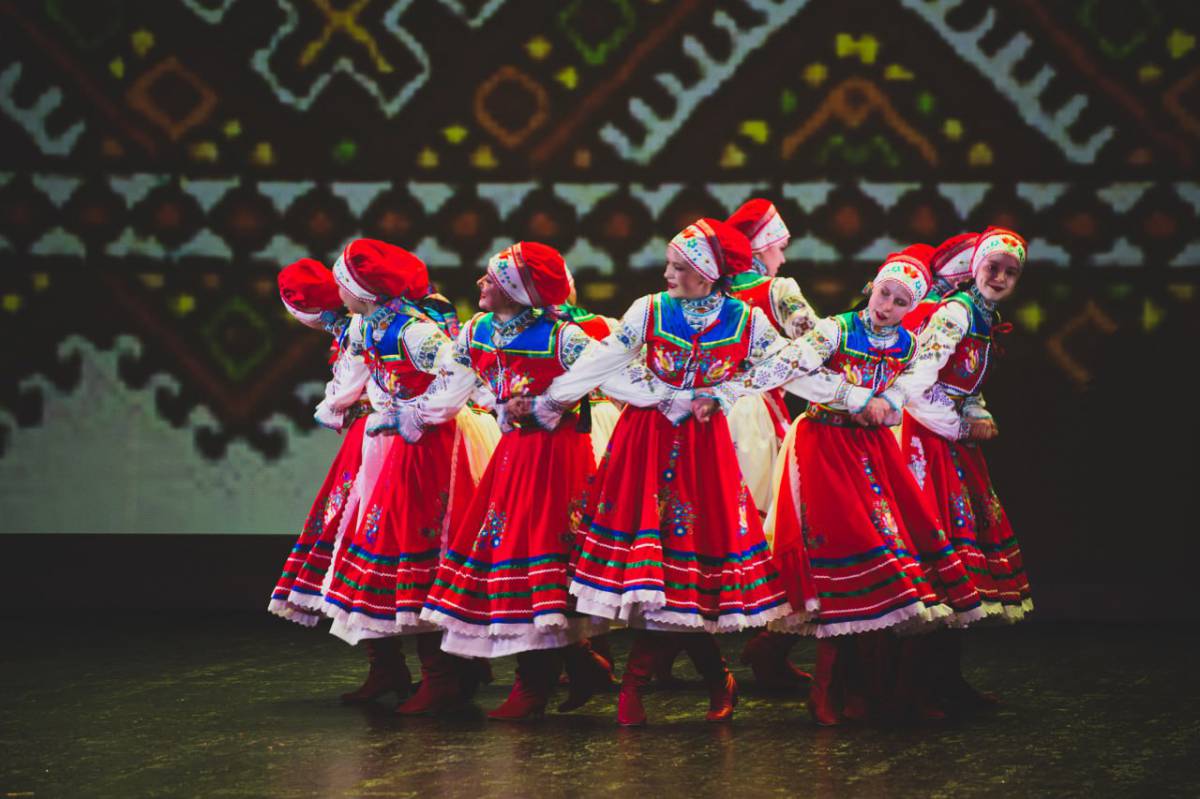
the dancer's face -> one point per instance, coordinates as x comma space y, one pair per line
889, 302
352, 303
997, 276
491, 298
683, 282
773, 258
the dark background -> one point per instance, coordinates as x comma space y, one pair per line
162, 160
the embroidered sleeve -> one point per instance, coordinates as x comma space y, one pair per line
796, 316
349, 378
799, 367
937, 342
423, 341
456, 381
599, 361
571, 344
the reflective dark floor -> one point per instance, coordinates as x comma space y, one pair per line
246, 706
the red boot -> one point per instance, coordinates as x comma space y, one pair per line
441, 679
766, 655
588, 675
387, 672
704, 651
645, 652
822, 703
857, 658
537, 672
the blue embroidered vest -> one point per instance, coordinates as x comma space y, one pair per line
715, 353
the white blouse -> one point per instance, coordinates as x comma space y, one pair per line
617, 366
350, 374
800, 369
795, 315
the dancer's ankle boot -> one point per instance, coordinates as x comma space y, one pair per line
705, 653
822, 703
441, 679
536, 674
387, 672
647, 647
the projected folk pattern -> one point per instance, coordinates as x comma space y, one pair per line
165, 159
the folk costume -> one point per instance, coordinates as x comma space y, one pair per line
309, 293
672, 540
502, 585
759, 423
407, 494
858, 547
942, 397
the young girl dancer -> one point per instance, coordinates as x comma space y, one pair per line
857, 545
758, 424
310, 295
673, 543
945, 419
407, 493
502, 585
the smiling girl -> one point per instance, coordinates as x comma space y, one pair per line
945, 419
672, 541
858, 548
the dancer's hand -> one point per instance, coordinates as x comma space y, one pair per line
982, 430
518, 408
874, 414
703, 408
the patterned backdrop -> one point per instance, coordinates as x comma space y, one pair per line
163, 159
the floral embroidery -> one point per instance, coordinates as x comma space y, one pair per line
960, 512
337, 497
881, 510
674, 514
372, 523
993, 510
492, 531
811, 540
313, 525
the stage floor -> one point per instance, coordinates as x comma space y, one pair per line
243, 705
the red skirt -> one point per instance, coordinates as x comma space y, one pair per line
383, 574
671, 538
298, 595
956, 482
857, 545
502, 585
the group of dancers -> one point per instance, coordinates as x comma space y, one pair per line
521, 483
